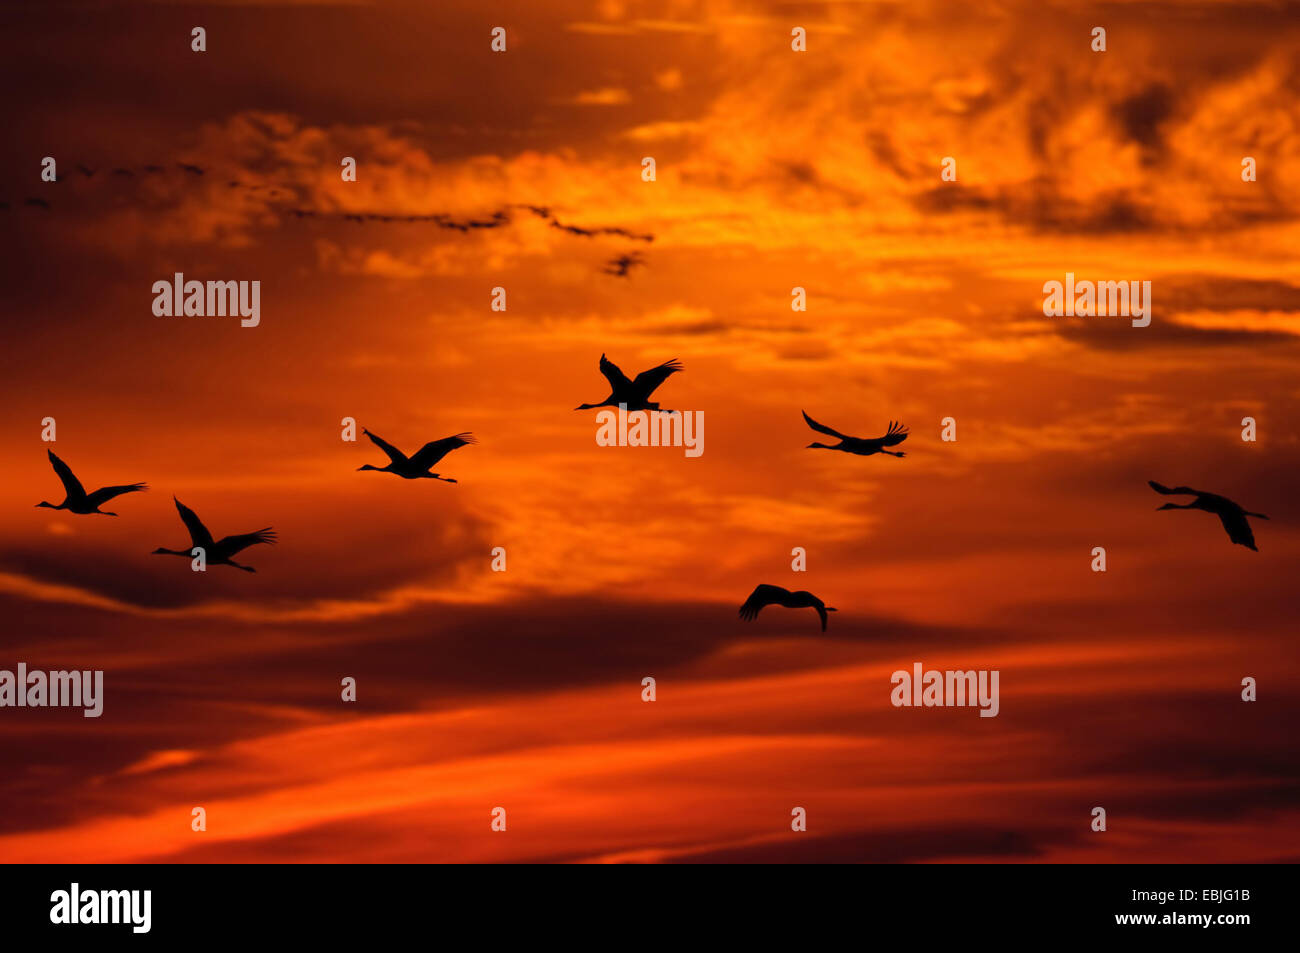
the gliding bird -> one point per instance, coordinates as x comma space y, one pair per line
1232, 516
765, 595
862, 447
75, 497
634, 393
417, 466
215, 552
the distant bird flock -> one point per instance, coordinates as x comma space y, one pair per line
618, 267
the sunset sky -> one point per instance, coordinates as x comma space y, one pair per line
775, 169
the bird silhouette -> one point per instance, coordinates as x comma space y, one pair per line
765, 595
864, 448
417, 466
634, 393
215, 552
87, 172
620, 267
1231, 515
75, 497
37, 203
191, 169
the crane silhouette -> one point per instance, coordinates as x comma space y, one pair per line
215, 552
633, 393
862, 447
417, 466
75, 497
765, 595
621, 266
1230, 514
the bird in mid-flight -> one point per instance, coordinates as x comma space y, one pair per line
765, 595
1231, 515
219, 551
634, 393
621, 266
75, 497
864, 448
417, 466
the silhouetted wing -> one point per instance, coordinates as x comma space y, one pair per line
106, 493
1159, 488
394, 454
896, 434
647, 381
821, 428
821, 611
199, 534
763, 595
70, 483
229, 545
1238, 529
617, 379
435, 450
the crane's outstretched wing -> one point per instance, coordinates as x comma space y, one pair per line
613, 374
821, 428
897, 434
1238, 529
821, 611
1160, 488
233, 544
647, 381
199, 534
106, 493
435, 450
395, 455
70, 483
763, 595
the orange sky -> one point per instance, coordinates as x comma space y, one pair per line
775, 169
